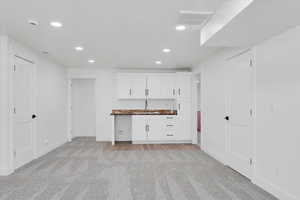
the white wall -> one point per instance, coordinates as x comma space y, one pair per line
4, 102
277, 137
278, 109
51, 105
51, 102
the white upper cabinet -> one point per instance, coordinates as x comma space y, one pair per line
131, 86
183, 86
161, 86
124, 86
151, 86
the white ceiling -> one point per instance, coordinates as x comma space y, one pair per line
115, 33
260, 21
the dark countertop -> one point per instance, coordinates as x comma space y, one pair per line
144, 112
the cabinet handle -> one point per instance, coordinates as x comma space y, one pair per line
147, 128
170, 135
147, 92
170, 117
179, 92
169, 125
179, 107
173, 92
130, 92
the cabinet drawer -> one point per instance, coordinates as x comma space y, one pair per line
169, 135
170, 119
169, 127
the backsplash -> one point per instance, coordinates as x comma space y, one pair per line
152, 104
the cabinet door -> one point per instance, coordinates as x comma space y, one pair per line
155, 131
124, 86
168, 86
131, 86
183, 86
154, 86
161, 86
183, 125
138, 86
139, 128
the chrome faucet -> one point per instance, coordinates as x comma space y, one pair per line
146, 104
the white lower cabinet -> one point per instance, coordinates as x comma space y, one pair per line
139, 128
183, 121
153, 128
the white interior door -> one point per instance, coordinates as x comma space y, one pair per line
240, 137
83, 108
23, 112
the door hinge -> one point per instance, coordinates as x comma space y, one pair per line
251, 161
251, 63
251, 112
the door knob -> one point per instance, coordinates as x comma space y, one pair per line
33, 116
226, 118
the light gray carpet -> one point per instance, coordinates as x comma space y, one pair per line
84, 169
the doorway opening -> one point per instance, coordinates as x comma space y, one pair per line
83, 108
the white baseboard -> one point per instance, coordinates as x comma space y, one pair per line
51, 147
163, 142
5, 172
218, 156
273, 189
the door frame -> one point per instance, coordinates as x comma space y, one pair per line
70, 114
252, 105
195, 100
28, 59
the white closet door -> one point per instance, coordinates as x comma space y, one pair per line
23, 112
83, 108
240, 136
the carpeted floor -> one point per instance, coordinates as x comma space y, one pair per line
84, 169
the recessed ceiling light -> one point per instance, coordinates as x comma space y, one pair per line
158, 62
33, 22
166, 50
180, 27
56, 24
79, 48
91, 61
